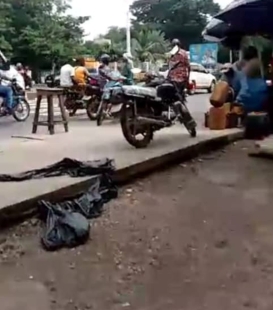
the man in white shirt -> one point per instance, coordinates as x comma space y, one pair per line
66, 76
5, 89
12, 74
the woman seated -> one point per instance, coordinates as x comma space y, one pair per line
253, 92
245, 78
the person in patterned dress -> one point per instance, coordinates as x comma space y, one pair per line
179, 66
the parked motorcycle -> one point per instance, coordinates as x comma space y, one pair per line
89, 99
20, 107
148, 109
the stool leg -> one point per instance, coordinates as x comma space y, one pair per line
63, 112
37, 114
50, 114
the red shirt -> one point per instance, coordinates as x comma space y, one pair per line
182, 66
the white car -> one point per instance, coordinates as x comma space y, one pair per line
200, 78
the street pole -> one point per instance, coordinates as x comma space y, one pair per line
128, 29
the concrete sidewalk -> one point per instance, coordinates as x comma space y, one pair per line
87, 143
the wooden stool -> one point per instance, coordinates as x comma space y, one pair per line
49, 93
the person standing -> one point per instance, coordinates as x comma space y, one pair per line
179, 66
179, 73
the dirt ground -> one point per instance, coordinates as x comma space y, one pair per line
198, 236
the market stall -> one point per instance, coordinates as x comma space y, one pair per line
245, 23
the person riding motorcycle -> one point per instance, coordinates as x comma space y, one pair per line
7, 93
107, 80
104, 70
67, 74
7, 74
80, 78
107, 76
81, 74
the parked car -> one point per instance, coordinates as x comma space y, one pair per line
200, 78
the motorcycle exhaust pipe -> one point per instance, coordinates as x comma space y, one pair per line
150, 121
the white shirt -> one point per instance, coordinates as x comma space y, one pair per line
67, 71
12, 73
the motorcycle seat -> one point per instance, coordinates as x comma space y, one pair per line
142, 91
166, 84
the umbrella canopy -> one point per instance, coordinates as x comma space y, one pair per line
216, 30
220, 32
249, 16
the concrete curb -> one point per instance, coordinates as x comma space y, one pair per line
13, 214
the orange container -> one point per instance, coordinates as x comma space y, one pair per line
220, 94
227, 107
217, 119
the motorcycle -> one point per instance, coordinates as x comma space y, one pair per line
149, 109
80, 99
20, 107
108, 106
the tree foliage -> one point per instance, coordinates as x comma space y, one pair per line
182, 19
39, 32
149, 45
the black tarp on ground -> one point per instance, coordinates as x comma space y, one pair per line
66, 222
67, 166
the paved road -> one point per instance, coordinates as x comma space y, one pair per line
198, 104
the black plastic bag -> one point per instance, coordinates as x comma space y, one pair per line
63, 228
89, 203
67, 166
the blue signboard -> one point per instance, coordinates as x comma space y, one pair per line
204, 54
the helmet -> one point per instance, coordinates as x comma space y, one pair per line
176, 42
19, 65
105, 59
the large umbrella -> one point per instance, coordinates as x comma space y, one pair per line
249, 16
216, 30
220, 32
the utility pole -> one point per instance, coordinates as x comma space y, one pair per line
128, 29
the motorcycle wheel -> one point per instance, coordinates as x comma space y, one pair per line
100, 113
92, 108
21, 111
186, 119
129, 131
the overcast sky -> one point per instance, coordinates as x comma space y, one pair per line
102, 14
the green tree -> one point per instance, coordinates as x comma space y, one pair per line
40, 32
149, 45
182, 19
92, 48
116, 35
5, 27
